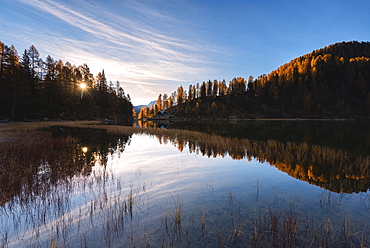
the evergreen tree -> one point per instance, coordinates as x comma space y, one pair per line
31, 88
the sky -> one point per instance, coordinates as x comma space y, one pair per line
153, 46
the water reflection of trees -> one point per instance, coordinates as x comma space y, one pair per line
337, 170
334, 168
32, 162
353, 136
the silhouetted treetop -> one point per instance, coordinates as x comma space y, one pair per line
33, 88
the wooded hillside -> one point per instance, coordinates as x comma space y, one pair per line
332, 82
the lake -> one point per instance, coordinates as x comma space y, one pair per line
247, 184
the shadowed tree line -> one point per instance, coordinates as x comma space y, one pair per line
33, 88
330, 82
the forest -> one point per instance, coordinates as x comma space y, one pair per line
33, 88
332, 82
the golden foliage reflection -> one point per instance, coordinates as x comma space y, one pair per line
337, 170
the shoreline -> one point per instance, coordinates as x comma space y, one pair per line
263, 119
10, 124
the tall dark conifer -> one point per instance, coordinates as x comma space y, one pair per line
31, 88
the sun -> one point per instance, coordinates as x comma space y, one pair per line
83, 85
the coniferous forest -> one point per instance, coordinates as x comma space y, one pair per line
33, 88
332, 82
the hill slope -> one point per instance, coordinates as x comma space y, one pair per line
327, 83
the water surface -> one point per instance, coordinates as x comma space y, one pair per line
188, 189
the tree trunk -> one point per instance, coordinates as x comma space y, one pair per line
14, 102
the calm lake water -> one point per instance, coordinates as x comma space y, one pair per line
252, 184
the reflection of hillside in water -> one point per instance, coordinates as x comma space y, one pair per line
335, 169
315, 152
30, 163
352, 136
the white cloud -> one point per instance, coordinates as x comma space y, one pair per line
133, 43
124, 34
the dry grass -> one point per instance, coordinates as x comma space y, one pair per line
27, 126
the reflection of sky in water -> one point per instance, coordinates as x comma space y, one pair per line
202, 181
197, 181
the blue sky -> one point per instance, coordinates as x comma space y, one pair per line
154, 46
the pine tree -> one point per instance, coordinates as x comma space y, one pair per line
35, 60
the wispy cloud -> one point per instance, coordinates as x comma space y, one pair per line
134, 43
126, 36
